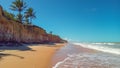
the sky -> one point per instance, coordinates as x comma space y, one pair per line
77, 20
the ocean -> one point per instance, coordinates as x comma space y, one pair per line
88, 55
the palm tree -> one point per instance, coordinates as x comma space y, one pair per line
51, 32
30, 14
19, 16
51, 38
26, 18
18, 5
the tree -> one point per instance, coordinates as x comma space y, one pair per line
51, 37
26, 18
18, 5
29, 14
51, 32
19, 16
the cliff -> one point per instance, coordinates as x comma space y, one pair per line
12, 31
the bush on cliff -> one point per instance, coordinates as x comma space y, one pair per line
9, 16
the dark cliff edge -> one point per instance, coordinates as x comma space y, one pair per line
12, 32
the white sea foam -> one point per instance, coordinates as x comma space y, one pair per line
101, 47
60, 62
88, 60
104, 43
83, 60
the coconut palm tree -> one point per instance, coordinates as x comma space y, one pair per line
30, 14
18, 5
26, 18
51, 36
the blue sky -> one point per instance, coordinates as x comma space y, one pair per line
77, 20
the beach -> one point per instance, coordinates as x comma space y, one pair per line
31, 56
83, 56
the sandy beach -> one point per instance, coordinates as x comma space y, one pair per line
34, 56
68, 50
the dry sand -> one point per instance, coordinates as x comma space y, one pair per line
36, 56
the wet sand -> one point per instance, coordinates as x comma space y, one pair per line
68, 50
35, 56
75, 56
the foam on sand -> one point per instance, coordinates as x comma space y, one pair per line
105, 47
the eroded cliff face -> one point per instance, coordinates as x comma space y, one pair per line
12, 31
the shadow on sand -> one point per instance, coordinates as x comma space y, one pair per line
4, 55
23, 47
19, 48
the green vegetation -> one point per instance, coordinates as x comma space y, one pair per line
17, 28
9, 15
29, 15
20, 6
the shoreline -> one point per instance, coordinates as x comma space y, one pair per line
37, 56
63, 54
72, 56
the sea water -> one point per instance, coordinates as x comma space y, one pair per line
108, 56
105, 47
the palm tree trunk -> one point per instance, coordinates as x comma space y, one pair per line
30, 20
20, 20
20, 17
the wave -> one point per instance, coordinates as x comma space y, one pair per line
59, 63
84, 60
105, 47
104, 43
88, 60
